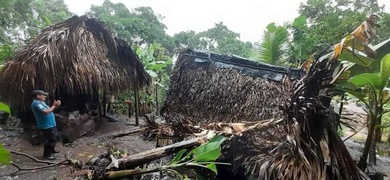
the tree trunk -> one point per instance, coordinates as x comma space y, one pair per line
388, 138
378, 130
372, 153
377, 137
362, 164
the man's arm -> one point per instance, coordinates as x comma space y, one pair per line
48, 111
51, 109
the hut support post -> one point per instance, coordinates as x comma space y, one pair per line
99, 109
129, 110
104, 102
136, 104
156, 99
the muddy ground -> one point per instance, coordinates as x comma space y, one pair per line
90, 145
97, 142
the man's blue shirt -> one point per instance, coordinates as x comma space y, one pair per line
43, 121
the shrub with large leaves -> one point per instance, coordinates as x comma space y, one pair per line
370, 88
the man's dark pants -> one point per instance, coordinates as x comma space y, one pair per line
50, 136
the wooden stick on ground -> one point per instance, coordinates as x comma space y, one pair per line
31, 157
52, 164
36, 168
126, 133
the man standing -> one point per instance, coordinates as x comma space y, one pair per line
46, 121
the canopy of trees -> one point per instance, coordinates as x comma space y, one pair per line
330, 20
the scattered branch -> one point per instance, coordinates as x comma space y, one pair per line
126, 133
36, 168
355, 132
31, 157
67, 161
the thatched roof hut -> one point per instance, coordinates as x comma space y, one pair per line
209, 87
74, 57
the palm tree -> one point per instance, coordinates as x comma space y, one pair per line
274, 40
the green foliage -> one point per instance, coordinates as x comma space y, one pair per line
300, 22
202, 156
373, 80
341, 131
154, 59
355, 58
218, 39
158, 64
23, 19
328, 21
188, 39
5, 156
274, 40
140, 26
296, 46
5, 108
5, 52
385, 70
370, 88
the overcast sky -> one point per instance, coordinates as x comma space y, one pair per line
247, 17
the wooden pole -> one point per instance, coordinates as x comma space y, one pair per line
157, 99
99, 108
104, 102
136, 103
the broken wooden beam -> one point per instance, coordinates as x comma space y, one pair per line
153, 154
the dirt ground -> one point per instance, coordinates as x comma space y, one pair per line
97, 142
355, 144
90, 145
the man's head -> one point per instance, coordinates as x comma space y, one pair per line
40, 95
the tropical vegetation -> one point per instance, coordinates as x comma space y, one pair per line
320, 25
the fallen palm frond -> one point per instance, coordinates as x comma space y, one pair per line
75, 56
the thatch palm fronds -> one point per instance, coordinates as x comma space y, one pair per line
77, 55
274, 40
212, 88
307, 146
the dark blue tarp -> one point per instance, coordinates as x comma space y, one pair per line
245, 66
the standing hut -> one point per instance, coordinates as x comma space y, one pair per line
72, 60
209, 87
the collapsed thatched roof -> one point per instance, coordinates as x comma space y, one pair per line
77, 55
305, 145
208, 88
